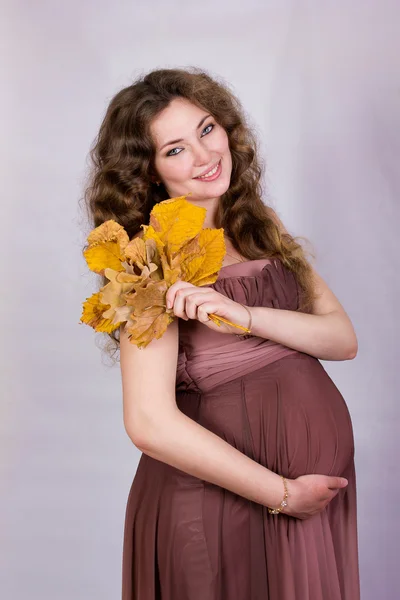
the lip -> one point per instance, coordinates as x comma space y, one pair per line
209, 169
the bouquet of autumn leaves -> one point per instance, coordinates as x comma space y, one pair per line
140, 271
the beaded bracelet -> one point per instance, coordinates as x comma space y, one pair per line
248, 331
276, 511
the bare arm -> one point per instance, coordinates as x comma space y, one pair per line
327, 333
158, 428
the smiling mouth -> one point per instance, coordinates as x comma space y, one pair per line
209, 173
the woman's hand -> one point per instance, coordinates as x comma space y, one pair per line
310, 494
189, 301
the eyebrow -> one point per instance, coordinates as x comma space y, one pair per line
181, 139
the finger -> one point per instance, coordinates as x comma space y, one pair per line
191, 306
204, 309
202, 314
193, 301
179, 305
186, 302
336, 482
172, 290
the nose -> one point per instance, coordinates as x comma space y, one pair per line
201, 154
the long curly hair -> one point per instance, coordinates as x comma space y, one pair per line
122, 180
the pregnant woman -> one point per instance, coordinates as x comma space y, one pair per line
245, 489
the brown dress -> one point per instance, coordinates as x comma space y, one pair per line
187, 539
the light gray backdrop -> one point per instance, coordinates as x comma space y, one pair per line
321, 82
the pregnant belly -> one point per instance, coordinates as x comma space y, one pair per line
289, 416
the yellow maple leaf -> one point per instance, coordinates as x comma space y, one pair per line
149, 233
93, 314
107, 243
176, 221
135, 252
171, 269
202, 257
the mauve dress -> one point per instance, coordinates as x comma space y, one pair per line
188, 539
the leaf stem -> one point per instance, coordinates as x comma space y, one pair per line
217, 318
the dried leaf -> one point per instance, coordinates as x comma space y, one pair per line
106, 247
152, 253
173, 246
171, 269
109, 231
151, 324
135, 252
176, 221
118, 315
113, 293
93, 315
151, 234
202, 257
143, 257
148, 296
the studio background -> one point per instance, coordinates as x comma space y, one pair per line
320, 81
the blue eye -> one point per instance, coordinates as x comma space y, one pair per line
209, 125
173, 153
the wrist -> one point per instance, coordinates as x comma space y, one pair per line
273, 489
276, 509
246, 321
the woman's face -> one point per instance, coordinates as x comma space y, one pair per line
192, 152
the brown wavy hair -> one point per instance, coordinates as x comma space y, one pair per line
122, 186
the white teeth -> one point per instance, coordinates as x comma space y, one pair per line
214, 170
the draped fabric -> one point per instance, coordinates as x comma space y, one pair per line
188, 539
